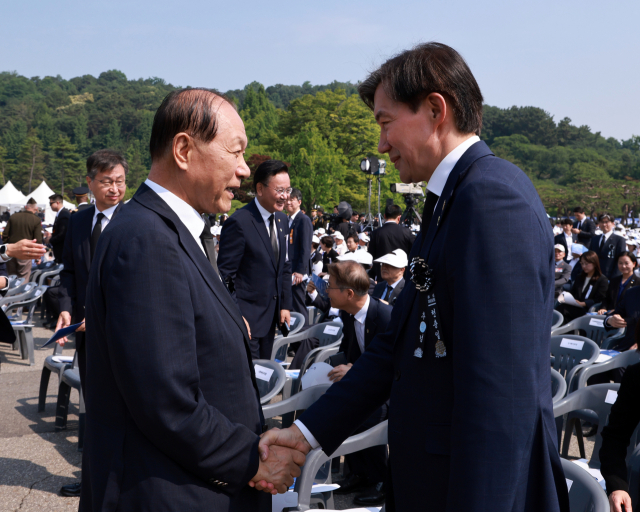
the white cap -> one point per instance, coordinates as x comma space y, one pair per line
338, 236
362, 257
559, 247
632, 242
322, 231
363, 237
397, 258
315, 239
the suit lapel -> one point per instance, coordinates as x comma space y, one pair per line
86, 237
370, 324
260, 226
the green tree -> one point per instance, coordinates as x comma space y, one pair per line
66, 162
258, 113
30, 166
3, 164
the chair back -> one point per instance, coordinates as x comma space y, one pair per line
592, 327
558, 386
326, 333
568, 350
30, 299
597, 398
297, 402
620, 361
20, 289
270, 378
557, 320
585, 493
50, 272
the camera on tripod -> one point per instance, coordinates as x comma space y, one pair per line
412, 193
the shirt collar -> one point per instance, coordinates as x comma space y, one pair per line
439, 177
108, 213
191, 219
361, 315
393, 286
265, 214
291, 217
607, 235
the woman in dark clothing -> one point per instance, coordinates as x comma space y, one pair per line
619, 285
329, 253
589, 289
623, 420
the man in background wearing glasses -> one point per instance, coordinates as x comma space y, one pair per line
106, 173
253, 259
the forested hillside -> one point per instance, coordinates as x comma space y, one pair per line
48, 126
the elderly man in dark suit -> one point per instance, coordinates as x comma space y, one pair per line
59, 226
253, 257
23, 225
173, 410
584, 228
465, 358
392, 267
299, 251
562, 270
106, 175
391, 236
608, 246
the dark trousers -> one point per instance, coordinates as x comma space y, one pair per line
261, 347
298, 292
305, 347
51, 299
370, 462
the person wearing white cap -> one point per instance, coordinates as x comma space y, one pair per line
562, 270
392, 267
363, 240
577, 250
341, 247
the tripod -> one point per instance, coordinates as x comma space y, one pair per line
410, 213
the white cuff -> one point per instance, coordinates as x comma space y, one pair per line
307, 435
313, 295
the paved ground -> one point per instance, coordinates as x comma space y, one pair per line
34, 460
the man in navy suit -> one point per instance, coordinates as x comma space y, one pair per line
392, 267
106, 177
299, 251
253, 257
465, 360
584, 228
608, 246
173, 410
59, 225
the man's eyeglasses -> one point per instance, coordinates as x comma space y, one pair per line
110, 183
281, 191
329, 287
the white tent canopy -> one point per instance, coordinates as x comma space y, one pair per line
11, 198
41, 195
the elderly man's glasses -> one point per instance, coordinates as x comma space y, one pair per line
109, 183
280, 191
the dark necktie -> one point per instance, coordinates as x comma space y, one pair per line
208, 244
602, 241
387, 292
95, 234
427, 213
274, 238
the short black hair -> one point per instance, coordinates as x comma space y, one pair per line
105, 160
392, 211
567, 222
267, 170
296, 193
56, 198
629, 255
412, 75
578, 209
185, 110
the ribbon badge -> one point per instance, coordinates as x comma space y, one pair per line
421, 274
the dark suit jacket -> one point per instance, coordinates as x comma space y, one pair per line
594, 293
587, 231
59, 233
382, 286
389, 237
300, 235
261, 289
474, 429
608, 254
629, 309
328, 258
22, 225
376, 321
560, 239
611, 298
173, 412
616, 435
577, 270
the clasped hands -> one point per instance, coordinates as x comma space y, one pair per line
282, 453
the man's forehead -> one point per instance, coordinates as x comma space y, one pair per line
118, 170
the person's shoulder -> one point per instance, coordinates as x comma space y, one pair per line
632, 375
383, 310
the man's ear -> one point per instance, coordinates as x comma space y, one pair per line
181, 150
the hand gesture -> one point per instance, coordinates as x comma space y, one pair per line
311, 287
297, 278
619, 498
617, 321
289, 437
277, 470
339, 371
26, 250
285, 316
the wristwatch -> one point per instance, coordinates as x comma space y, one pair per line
3, 250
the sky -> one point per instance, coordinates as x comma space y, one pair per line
576, 59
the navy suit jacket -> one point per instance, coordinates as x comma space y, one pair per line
608, 254
473, 430
300, 235
261, 289
173, 411
629, 309
59, 233
376, 321
587, 231
381, 287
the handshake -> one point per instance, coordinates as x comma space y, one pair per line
282, 453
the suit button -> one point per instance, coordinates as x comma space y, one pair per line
275, 297
397, 375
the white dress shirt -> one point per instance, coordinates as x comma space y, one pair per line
439, 177
569, 240
191, 219
360, 318
265, 216
108, 213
